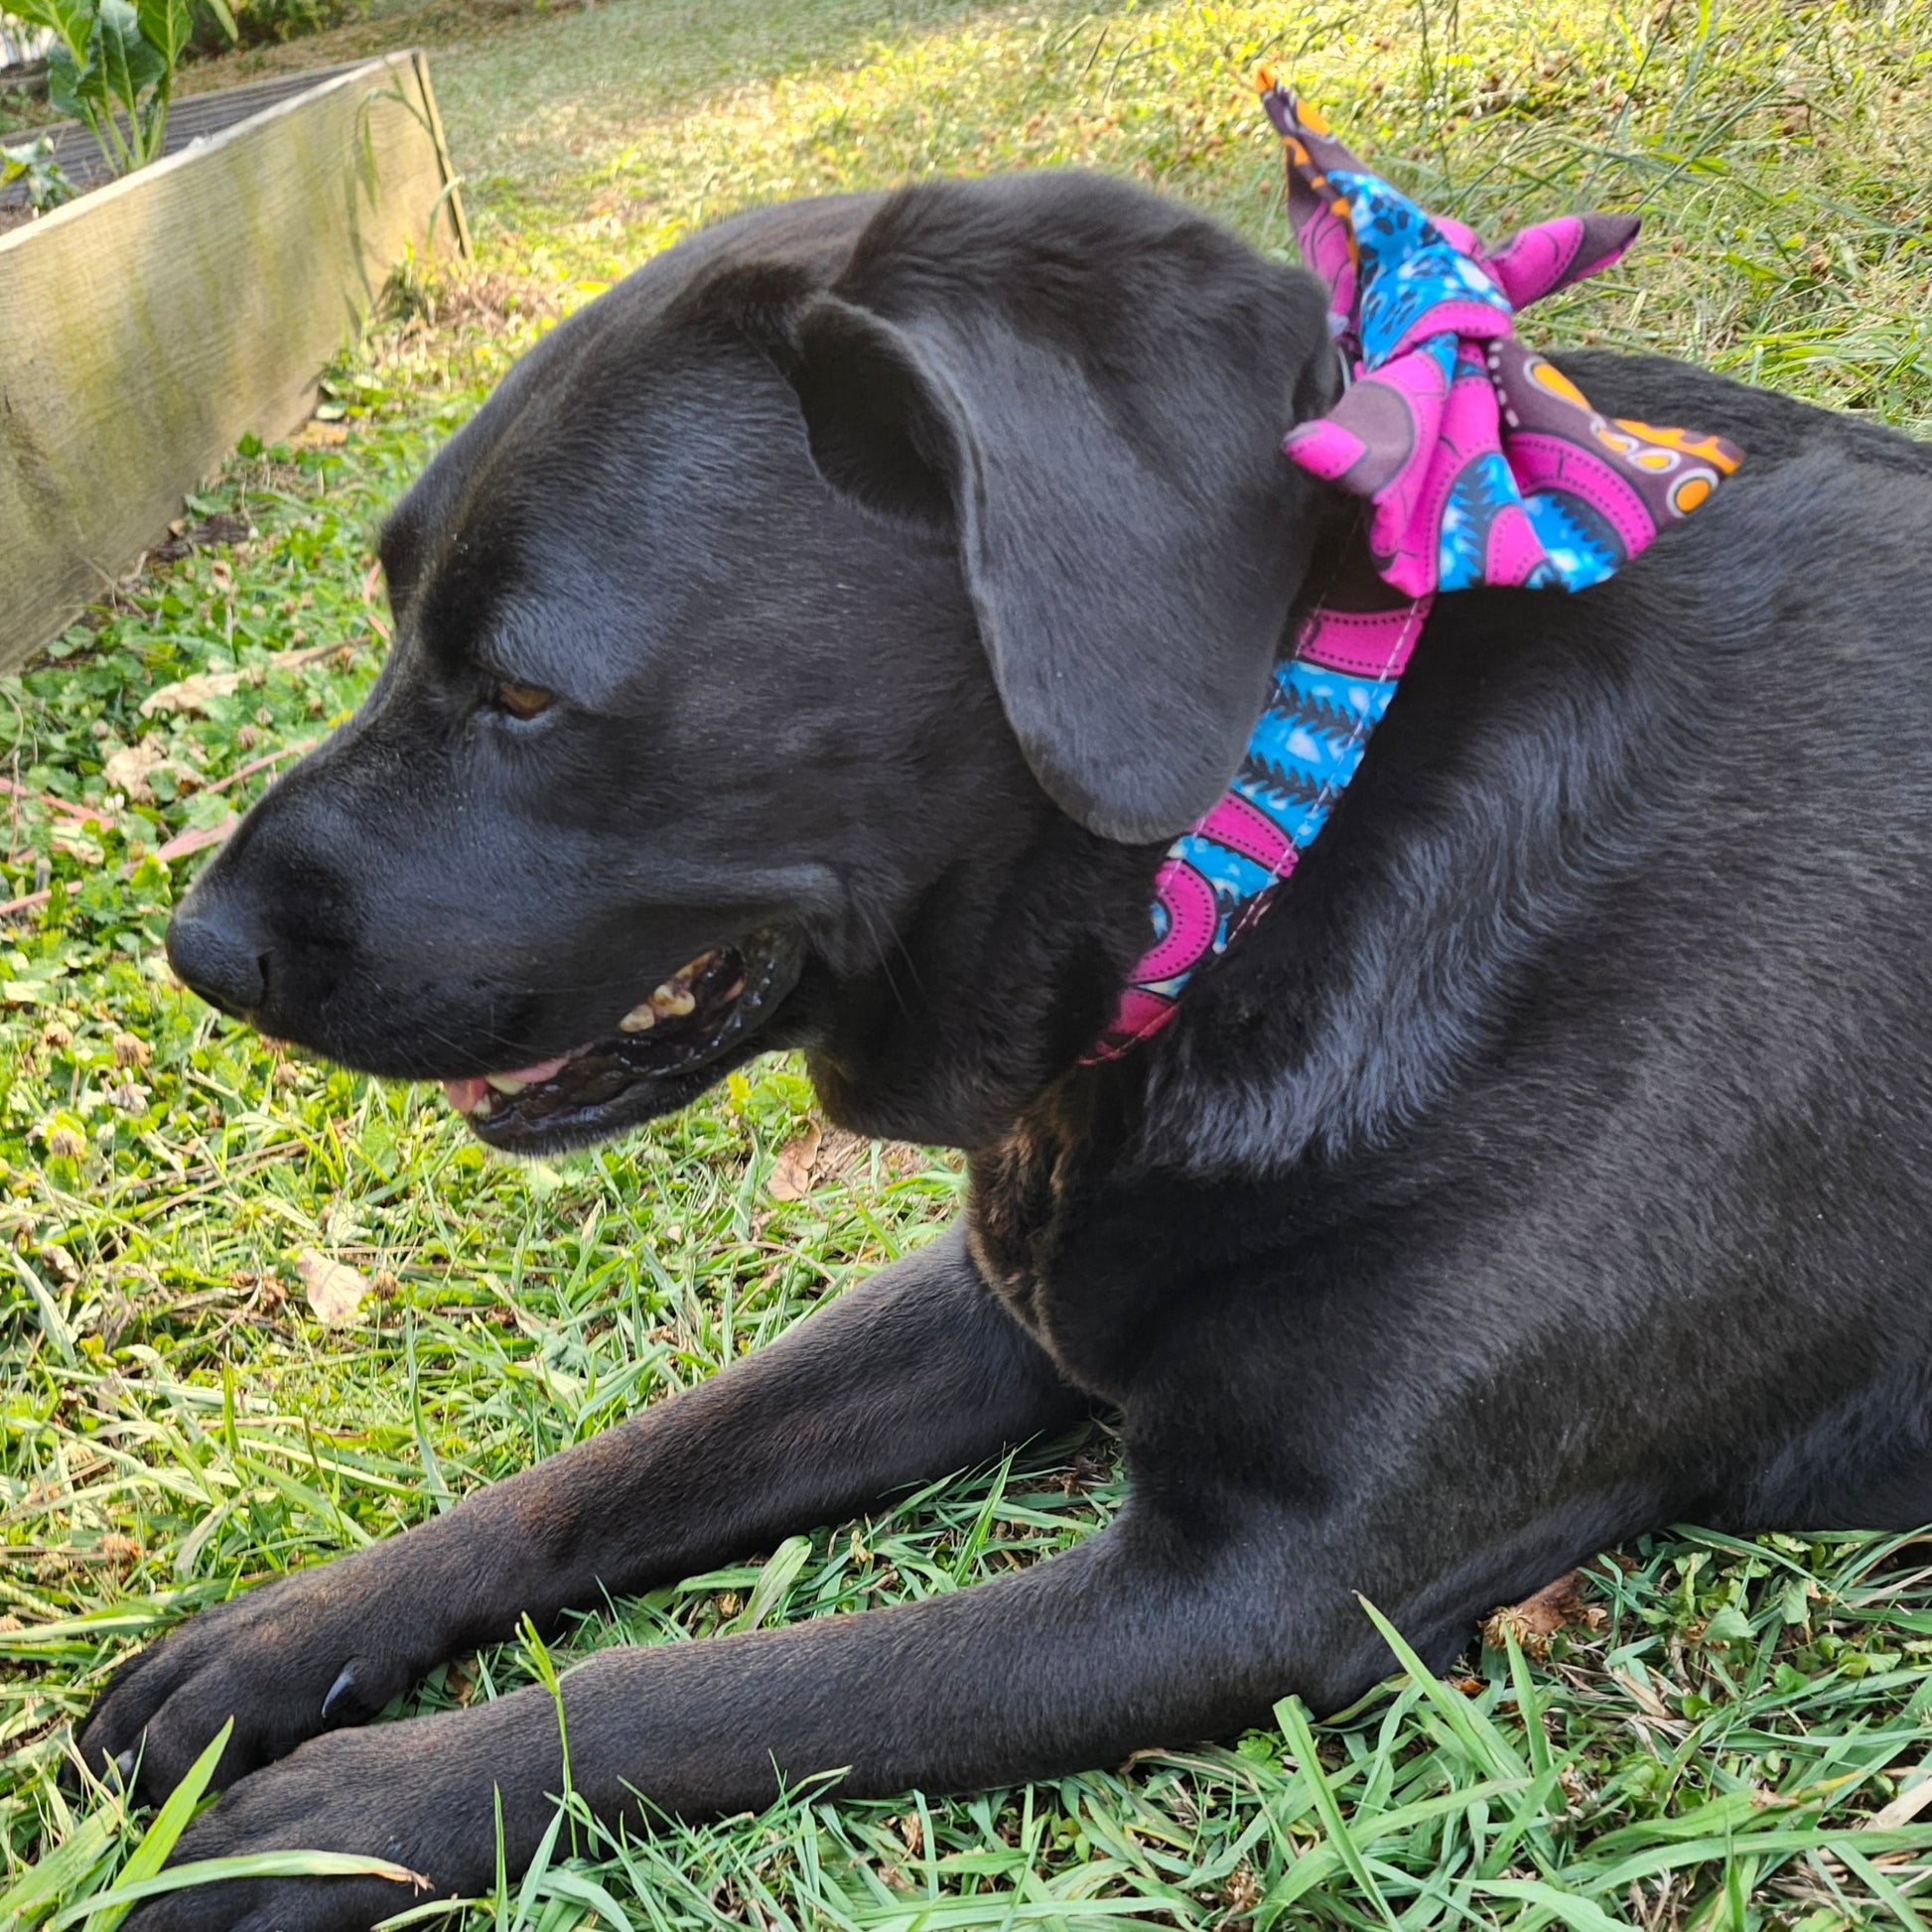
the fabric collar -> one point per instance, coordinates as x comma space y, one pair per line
1479, 463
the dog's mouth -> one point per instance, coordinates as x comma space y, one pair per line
650, 1061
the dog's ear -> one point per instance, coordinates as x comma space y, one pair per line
1091, 386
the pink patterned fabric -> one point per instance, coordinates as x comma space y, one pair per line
1447, 426
1480, 464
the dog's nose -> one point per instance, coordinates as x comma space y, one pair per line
217, 955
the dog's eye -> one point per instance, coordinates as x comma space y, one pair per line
521, 700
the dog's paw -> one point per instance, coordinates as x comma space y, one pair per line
302, 1655
391, 1792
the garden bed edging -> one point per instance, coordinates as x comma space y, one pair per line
146, 327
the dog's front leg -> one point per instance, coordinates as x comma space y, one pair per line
1139, 1636
916, 1372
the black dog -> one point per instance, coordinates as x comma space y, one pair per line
827, 629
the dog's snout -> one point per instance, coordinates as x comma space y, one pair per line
217, 954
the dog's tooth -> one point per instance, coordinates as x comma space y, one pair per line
639, 1019
506, 1083
672, 1001
483, 1108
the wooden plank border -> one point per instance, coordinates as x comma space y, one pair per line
146, 327
452, 181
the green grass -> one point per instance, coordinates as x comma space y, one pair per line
1714, 1749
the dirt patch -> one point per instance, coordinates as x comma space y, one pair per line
383, 30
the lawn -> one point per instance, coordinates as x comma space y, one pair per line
1722, 1733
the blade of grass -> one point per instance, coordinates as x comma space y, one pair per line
168, 1824
1291, 1715
258, 1865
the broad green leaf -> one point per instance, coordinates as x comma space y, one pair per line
47, 185
165, 26
71, 88
73, 20
129, 66
1729, 1625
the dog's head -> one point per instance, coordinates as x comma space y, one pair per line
811, 641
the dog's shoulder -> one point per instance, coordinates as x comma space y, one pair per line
1564, 783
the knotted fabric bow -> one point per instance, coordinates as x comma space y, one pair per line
1480, 463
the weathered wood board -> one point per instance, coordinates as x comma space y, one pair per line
149, 326
190, 118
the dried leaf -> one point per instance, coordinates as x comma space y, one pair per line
129, 769
1536, 1619
317, 435
335, 1289
224, 526
841, 1154
791, 1173
191, 693
1911, 1800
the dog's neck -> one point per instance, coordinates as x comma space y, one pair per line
1329, 692
1481, 465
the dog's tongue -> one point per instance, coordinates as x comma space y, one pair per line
465, 1095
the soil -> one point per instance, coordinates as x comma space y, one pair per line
386, 26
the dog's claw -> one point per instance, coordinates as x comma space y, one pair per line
124, 1765
345, 1681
